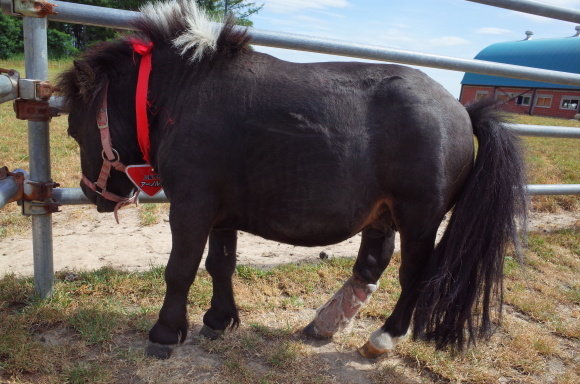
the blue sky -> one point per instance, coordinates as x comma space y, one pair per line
455, 28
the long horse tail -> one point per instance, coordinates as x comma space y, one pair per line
463, 281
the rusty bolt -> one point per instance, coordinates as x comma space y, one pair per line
45, 90
43, 8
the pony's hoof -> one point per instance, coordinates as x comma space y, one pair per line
370, 351
210, 333
159, 351
311, 331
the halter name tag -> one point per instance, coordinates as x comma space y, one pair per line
144, 178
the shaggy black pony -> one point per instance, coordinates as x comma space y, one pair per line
305, 154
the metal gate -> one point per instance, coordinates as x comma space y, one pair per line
35, 92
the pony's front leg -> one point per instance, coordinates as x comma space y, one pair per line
221, 265
189, 232
373, 258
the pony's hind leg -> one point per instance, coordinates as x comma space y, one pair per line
221, 265
188, 243
373, 258
416, 247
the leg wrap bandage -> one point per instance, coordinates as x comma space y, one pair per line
337, 313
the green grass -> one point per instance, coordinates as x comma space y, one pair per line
55, 67
149, 214
94, 327
551, 161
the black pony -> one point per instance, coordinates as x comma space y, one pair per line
306, 154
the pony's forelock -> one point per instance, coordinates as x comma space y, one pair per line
200, 33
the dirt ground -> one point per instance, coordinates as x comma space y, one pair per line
84, 239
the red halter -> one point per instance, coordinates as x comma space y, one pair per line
110, 155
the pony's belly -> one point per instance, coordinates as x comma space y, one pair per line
302, 231
303, 239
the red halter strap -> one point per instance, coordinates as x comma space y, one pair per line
110, 156
144, 49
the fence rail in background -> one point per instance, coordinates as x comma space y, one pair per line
36, 64
75, 196
545, 131
106, 17
535, 8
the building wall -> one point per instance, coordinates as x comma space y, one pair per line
524, 100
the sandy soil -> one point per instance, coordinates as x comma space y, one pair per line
87, 240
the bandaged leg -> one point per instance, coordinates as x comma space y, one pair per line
337, 313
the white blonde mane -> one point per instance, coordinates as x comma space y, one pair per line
201, 32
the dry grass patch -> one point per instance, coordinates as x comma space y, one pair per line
96, 323
547, 290
551, 161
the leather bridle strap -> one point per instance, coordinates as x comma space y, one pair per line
110, 156
110, 160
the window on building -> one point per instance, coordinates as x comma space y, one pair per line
503, 98
544, 101
523, 100
480, 95
569, 102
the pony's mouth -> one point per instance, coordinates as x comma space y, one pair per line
89, 193
103, 205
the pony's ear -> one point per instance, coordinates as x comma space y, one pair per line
84, 79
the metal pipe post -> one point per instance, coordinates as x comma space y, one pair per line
535, 8
8, 190
105, 17
36, 66
5, 85
553, 189
545, 131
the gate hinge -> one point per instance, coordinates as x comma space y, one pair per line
32, 110
38, 198
35, 197
39, 191
30, 208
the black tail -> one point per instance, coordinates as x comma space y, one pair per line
464, 277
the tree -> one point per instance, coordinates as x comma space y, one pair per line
60, 45
10, 37
67, 39
84, 35
239, 8
11, 42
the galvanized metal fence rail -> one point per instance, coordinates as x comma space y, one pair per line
535, 8
36, 64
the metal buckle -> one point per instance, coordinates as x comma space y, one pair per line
117, 157
104, 118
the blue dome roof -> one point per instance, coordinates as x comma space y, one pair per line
556, 54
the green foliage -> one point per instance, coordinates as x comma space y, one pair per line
239, 8
82, 36
60, 45
11, 43
68, 39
